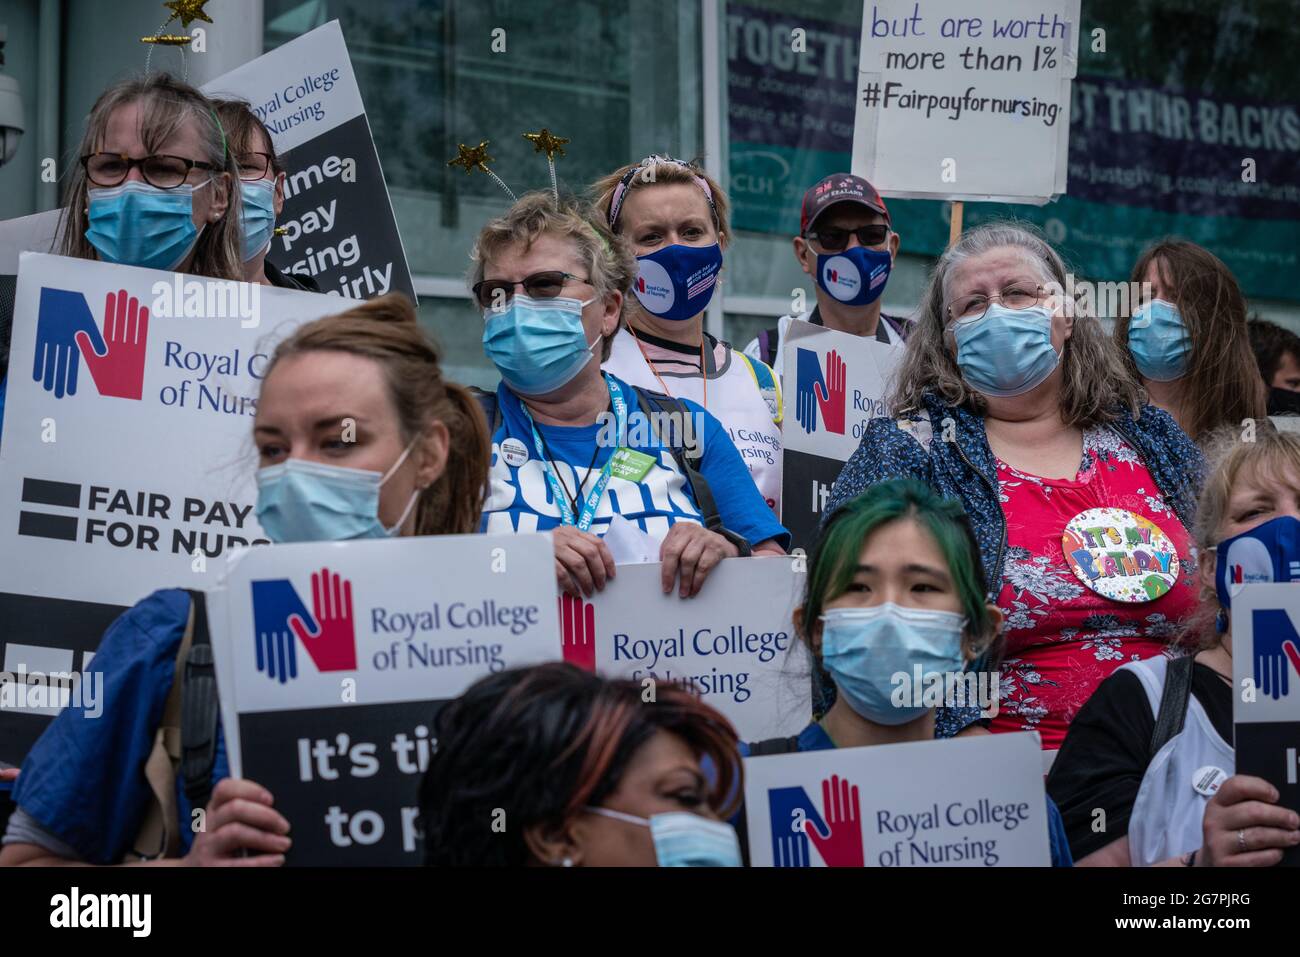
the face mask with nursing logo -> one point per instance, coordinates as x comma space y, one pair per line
855, 277
538, 345
683, 839
1006, 352
1269, 552
1158, 341
136, 224
300, 501
677, 282
863, 648
257, 215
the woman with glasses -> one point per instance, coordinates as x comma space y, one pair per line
1081, 495
261, 188
674, 217
155, 183
847, 243
574, 451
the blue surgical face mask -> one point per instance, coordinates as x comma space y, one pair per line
863, 648
1158, 341
856, 276
1006, 352
257, 216
136, 224
682, 839
677, 282
300, 501
538, 345
1269, 552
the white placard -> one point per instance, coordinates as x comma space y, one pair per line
333, 660
1266, 652
966, 102
734, 643
973, 802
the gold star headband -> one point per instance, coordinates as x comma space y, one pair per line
187, 11
471, 158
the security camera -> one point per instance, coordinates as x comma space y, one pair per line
11, 108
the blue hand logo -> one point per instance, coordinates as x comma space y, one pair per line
1273, 632
788, 808
62, 315
808, 376
274, 603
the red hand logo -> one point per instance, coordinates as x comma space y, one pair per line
333, 647
830, 400
119, 371
1292, 653
578, 632
841, 845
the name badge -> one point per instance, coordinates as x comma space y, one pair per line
631, 465
1120, 555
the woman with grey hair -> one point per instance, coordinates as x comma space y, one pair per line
579, 452
1081, 494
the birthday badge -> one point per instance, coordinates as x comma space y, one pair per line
1120, 555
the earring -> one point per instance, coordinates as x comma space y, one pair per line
567, 862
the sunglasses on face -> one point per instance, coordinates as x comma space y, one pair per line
495, 293
833, 238
161, 171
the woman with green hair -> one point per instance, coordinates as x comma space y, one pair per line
894, 582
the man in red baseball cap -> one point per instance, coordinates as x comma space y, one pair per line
846, 242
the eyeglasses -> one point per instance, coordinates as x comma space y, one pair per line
494, 293
833, 239
253, 165
1018, 295
161, 171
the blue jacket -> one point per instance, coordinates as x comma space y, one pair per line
966, 469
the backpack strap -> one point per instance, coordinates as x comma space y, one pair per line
768, 339
1173, 703
200, 708
768, 386
690, 465
487, 401
159, 834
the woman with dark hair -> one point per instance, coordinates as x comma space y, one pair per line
553, 765
261, 187
895, 585
104, 788
1189, 344
1013, 401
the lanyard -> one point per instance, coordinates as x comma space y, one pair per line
592, 500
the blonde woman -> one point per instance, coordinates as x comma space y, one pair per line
1172, 797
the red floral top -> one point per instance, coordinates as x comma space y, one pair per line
1062, 638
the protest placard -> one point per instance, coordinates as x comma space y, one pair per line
338, 219
123, 472
963, 802
963, 104
331, 705
839, 384
1266, 672
733, 644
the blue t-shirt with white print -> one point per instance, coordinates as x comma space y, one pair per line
520, 499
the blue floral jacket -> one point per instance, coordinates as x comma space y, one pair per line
964, 468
